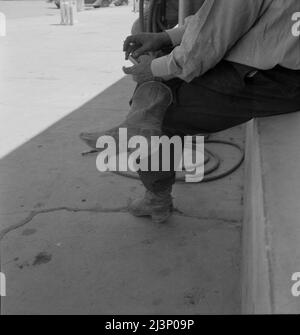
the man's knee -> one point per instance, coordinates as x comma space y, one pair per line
136, 28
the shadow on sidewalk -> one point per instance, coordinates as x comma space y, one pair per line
32, 175
70, 247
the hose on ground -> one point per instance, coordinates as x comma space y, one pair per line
211, 158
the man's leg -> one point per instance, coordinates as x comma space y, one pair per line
160, 181
157, 202
148, 105
221, 99
197, 110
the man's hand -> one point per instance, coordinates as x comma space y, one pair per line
141, 72
141, 44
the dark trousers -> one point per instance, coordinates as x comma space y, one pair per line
226, 96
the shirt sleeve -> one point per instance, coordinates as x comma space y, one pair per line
176, 34
206, 38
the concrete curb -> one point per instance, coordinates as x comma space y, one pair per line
271, 231
256, 296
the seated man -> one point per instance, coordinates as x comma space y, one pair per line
232, 61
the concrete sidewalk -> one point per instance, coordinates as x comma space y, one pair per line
68, 244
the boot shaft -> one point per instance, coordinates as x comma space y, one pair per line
149, 104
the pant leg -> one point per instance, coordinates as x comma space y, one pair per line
175, 124
221, 99
225, 97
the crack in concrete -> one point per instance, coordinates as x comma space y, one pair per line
232, 222
33, 214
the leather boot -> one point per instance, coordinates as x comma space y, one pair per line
149, 104
158, 206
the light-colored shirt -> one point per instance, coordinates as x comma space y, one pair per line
257, 33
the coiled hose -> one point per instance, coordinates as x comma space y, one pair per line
211, 159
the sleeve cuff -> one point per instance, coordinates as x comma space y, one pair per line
160, 69
176, 35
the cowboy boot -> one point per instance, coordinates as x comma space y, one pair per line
158, 206
149, 103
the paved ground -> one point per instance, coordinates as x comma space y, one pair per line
26, 8
68, 244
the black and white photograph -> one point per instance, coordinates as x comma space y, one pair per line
149, 160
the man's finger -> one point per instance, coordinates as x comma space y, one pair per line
130, 50
140, 51
129, 70
145, 58
130, 45
128, 40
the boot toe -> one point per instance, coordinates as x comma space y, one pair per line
90, 138
139, 208
161, 217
